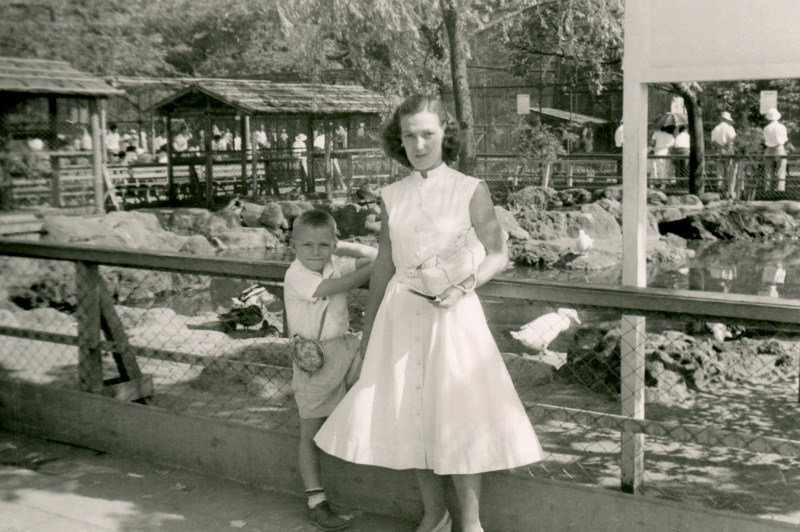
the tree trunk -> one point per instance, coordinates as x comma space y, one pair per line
467, 160
694, 114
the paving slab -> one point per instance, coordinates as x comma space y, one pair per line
46, 486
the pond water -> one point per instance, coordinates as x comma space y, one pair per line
756, 268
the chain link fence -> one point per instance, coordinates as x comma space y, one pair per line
711, 405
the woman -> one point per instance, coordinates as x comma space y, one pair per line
434, 394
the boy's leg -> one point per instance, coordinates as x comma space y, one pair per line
308, 453
319, 511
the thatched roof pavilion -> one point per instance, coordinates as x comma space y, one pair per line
313, 104
24, 79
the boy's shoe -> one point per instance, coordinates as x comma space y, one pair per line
323, 517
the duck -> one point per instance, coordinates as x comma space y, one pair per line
539, 333
584, 242
248, 316
249, 309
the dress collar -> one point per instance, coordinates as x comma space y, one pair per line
433, 174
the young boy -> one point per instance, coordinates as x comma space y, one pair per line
320, 277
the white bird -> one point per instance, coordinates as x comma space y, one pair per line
584, 242
540, 332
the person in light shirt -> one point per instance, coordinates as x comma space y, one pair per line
660, 144
681, 147
618, 138
722, 137
775, 139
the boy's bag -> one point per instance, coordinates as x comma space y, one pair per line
449, 267
327, 360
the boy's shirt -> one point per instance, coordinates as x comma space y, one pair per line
303, 311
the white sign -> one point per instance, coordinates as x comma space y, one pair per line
768, 100
523, 104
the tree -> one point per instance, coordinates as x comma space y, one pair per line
458, 67
691, 93
108, 37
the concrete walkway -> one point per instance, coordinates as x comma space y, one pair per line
48, 486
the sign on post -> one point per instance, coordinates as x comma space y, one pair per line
767, 101
523, 104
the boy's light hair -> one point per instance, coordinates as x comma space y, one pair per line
314, 218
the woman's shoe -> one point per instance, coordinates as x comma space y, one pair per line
445, 525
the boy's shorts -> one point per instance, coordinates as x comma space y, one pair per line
318, 394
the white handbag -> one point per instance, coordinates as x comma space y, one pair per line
449, 267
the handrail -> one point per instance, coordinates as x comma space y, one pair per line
624, 298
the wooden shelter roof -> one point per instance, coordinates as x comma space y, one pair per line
265, 97
41, 76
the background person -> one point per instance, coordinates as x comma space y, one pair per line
660, 144
681, 147
775, 139
722, 137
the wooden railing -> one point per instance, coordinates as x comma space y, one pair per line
96, 317
71, 182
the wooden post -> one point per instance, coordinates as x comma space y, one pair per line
97, 155
255, 149
634, 235
90, 363
170, 165
329, 184
311, 185
209, 164
55, 182
244, 133
52, 114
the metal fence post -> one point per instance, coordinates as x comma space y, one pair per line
90, 363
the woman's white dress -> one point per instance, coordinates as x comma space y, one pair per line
434, 392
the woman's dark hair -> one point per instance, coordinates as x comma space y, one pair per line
392, 135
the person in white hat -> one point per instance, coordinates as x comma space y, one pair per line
775, 139
722, 137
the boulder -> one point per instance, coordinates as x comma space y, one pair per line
198, 245
294, 208
531, 197
250, 214
247, 238
509, 224
272, 217
656, 197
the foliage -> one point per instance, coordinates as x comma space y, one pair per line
538, 142
234, 39
582, 36
108, 37
19, 162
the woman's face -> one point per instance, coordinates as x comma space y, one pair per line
422, 135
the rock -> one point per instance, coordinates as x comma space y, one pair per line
251, 214
247, 238
691, 199
294, 208
348, 221
198, 245
708, 197
613, 192
272, 216
656, 197
597, 223
509, 224
574, 196
531, 197
368, 193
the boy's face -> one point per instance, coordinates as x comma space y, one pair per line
314, 246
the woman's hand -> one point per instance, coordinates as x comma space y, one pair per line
448, 298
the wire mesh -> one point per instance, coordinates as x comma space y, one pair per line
721, 395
